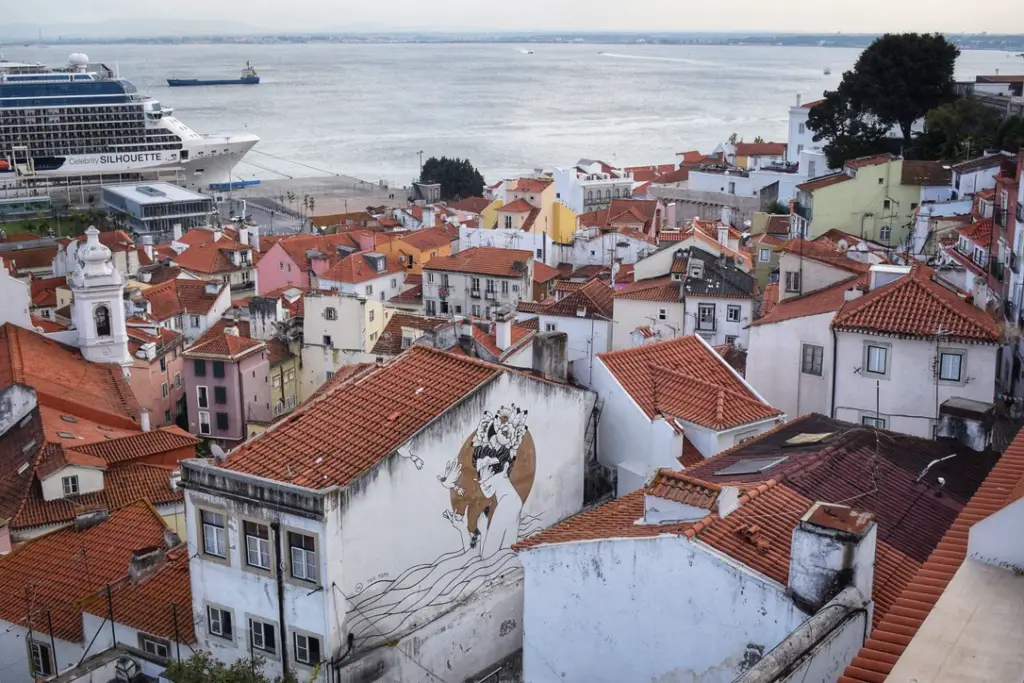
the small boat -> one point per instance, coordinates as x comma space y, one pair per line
249, 77
828, 71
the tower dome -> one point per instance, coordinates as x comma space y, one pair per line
95, 259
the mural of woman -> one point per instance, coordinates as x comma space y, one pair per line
488, 483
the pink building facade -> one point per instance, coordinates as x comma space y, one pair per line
157, 378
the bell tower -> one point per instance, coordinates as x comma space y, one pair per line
98, 307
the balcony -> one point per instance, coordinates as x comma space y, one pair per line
803, 210
706, 326
474, 293
490, 295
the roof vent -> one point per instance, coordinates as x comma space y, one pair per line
750, 466
24, 466
144, 562
65, 435
90, 518
68, 418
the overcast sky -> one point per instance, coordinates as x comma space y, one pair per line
849, 16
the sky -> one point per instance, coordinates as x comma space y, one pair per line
857, 16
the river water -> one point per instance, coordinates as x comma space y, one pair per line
366, 110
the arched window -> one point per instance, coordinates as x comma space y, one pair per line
590, 196
102, 317
617, 191
607, 194
330, 313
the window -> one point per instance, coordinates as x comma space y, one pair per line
458, 309
475, 310
164, 389
474, 283
303, 556
281, 264
811, 167
731, 339
884, 233
289, 402
802, 128
277, 381
163, 364
732, 314
167, 417
70, 485
158, 647
371, 315
540, 253
214, 535
550, 327
508, 222
195, 321
793, 281
876, 422
590, 196
430, 278
204, 422
881, 181
42, 659
490, 285
765, 255
705, 316
202, 397
799, 148
877, 359
307, 649
222, 421
369, 290
812, 355
199, 368
278, 408
261, 636
330, 313
886, 204
220, 395
394, 283
662, 314
951, 366
432, 308
102, 317
257, 545
444, 308
504, 286
327, 341
177, 380
218, 369
329, 374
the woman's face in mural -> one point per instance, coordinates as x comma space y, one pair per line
487, 470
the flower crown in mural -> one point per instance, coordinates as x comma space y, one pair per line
504, 429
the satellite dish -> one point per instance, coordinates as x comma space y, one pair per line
218, 453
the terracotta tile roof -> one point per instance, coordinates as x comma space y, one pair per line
777, 225
63, 379
735, 357
518, 206
770, 298
951, 252
542, 272
375, 413
217, 343
824, 181
390, 341
47, 325
179, 296
824, 300
811, 105
928, 173
531, 324
594, 298
122, 485
916, 306
346, 374
756, 149
65, 565
471, 204
484, 261
413, 295
979, 232
57, 458
140, 445
31, 259
278, 352
893, 634
980, 163
488, 340
298, 248
58, 430
532, 184
159, 273
656, 289
680, 488
209, 257
676, 176
357, 268
44, 290
431, 238
871, 160
691, 457
664, 377
568, 285
641, 190
530, 220
822, 253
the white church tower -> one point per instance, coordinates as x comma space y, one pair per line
98, 308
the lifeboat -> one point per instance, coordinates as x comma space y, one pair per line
4, 165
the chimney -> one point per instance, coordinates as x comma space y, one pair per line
551, 355
723, 235
144, 562
969, 422
144, 420
833, 547
798, 99
231, 330
218, 232
503, 327
243, 233
90, 518
212, 286
852, 293
428, 217
177, 231
670, 215
254, 240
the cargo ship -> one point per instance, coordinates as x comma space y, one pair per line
249, 77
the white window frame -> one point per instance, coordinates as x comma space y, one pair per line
304, 565
733, 313
961, 355
662, 314
872, 421
70, 485
369, 290
158, 647
215, 624
202, 396
257, 550
164, 390
330, 313
212, 531
289, 402
765, 254
38, 653
792, 283
886, 350
301, 649
808, 368
205, 427
550, 327
196, 322
258, 639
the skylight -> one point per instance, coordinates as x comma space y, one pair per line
68, 418
750, 466
65, 435
808, 438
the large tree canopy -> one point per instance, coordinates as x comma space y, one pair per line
895, 82
458, 178
958, 130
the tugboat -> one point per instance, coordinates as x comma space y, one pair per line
249, 77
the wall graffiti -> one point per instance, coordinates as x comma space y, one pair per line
488, 482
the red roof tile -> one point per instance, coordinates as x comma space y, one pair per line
916, 306
991, 161
825, 300
770, 298
871, 160
757, 149
656, 289
532, 184
471, 204
140, 445
518, 206
431, 238
413, 295
209, 257
685, 378
356, 268
488, 340
822, 253
680, 488
777, 225
676, 176
484, 261
594, 299
375, 413
691, 456
979, 232
824, 181
53, 571
47, 325
390, 341
542, 272
217, 342
928, 173
900, 623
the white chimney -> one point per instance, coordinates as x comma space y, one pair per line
177, 231
723, 235
798, 99
144, 420
428, 217
243, 234
727, 215
148, 248
231, 330
833, 547
503, 331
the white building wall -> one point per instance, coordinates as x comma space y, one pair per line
587, 338
231, 586
774, 364
543, 247
800, 136
380, 288
722, 183
909, 396
460, 288
787, 182
97, 631
90, 480
814, 274
630, 314
972, 182
16, 298
404, 565
723, 328
14, 654
608, 248
710, 618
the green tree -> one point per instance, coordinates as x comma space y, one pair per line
458, 177
957, 129
201, 667
758, 140
895, 81
777, 208
1010, 135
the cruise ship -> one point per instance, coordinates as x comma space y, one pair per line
83, 124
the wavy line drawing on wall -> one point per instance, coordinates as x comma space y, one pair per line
488, 483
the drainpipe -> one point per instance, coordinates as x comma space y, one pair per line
835, 365
276, 526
